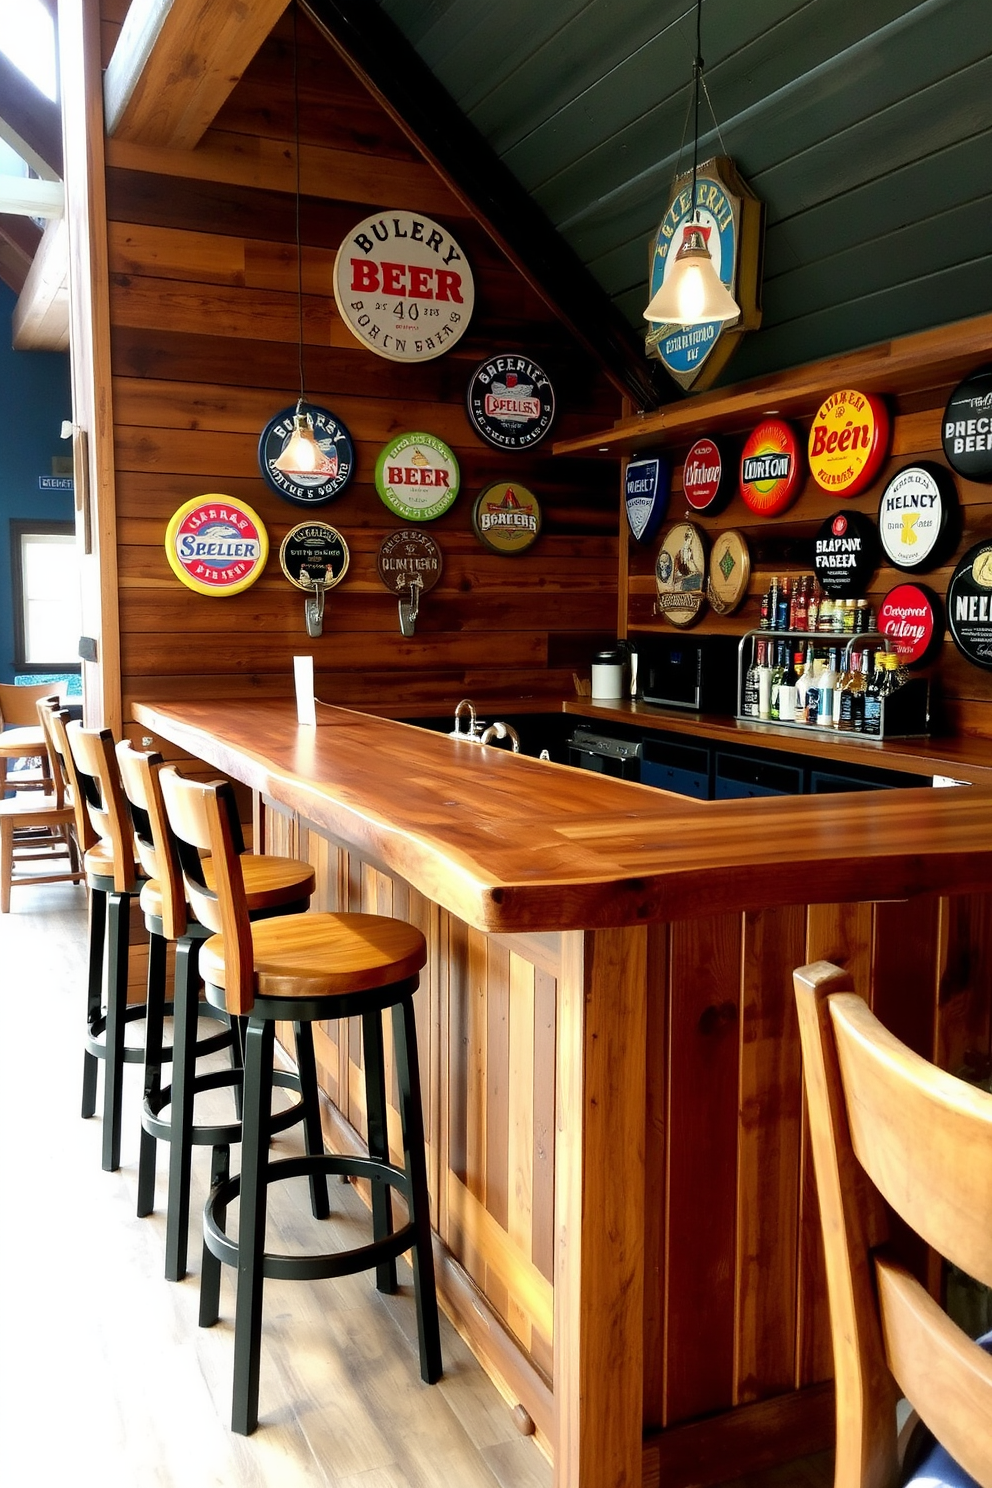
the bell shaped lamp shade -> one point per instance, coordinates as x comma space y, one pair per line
693, 292
302, 455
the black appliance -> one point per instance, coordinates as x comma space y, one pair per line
698, 673
605, 754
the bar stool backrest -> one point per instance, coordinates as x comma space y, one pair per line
44, 708
154, 844
18, 705
204, 820
923, 1141
55, 721
92, 751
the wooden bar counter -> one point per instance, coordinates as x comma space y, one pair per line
626, 1224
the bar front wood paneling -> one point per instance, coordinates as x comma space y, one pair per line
627, 1228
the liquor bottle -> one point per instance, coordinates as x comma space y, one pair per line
787, 689
765, 680
813, 607
804, 683
765, 622
749, 702
778, 671
827, 681
838, 621
857, 690
772, 604
873, 697
861, 617
849, 684
826, 618
897, 674
782, 608
848, 615
800, 600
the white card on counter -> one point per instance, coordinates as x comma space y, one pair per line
306, 705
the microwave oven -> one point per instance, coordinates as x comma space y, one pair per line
698, 673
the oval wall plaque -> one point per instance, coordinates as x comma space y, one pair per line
708, 476
729, 572
910, 616
312, 552
680, 574
331, 468
967, 428
771, 472
403, 286
845, 554
407, 554
510, 400
969, 604
647, 484
917, 515
215, 545
417, 477
848, 442
507, 518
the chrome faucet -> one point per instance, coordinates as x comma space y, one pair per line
502, 731
474, 732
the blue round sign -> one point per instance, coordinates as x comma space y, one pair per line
306, 455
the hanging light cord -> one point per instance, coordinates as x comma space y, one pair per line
697, 72
299, 249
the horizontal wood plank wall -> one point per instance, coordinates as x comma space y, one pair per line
961, 693
204, 323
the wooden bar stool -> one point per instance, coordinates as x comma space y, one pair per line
302, 970
274, 885
21, 735
36, 827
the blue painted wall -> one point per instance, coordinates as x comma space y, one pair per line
34, 399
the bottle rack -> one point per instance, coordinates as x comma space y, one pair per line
904, 715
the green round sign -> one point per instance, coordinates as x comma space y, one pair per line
417, 477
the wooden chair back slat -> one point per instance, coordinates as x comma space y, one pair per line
923, 1137
204, 820
92, 751
889, 1336
44, 708
56, 725
18, 705
153, 842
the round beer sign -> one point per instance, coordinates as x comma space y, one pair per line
403, 286
417, 477
729, 572
917, 517
314, 552
969, 604
845, 554
511, 402
215, 545
507, 518
680, 574
910, 616
407, 555
707, 477
967, 427
311, 469
848, 442
771, 473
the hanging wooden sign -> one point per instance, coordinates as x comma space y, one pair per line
216, 546
969, 605
403, 286
511, 403
326, 468
910, 616
417, 476
646, 489
918, 518
845, 554
709, 476
407, 555
849, 442
967, 427
771, 469
732, 222
680, 574
507, 518
729, 573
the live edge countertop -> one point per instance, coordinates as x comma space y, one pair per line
508, 843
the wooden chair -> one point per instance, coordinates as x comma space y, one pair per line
45, 821
302, 970
886, 1125
21, 735
274, 885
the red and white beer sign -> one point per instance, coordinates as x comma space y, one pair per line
910, 616
707, 477
403, 286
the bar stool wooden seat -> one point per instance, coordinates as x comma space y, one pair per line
315, 967
274, 885
888, 1126
38, 827
21, 735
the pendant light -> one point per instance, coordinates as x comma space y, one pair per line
302, 455
692, 290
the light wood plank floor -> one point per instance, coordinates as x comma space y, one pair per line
106, 1378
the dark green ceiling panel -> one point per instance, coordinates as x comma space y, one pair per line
864, 125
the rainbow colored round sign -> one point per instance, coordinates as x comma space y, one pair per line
216, 546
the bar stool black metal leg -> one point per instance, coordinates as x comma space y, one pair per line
313, 1134
186, 1004
119, 926
210, 1266
94, 993
238, 1026
154, 1019
411, 1112
251, 1226
375, 1110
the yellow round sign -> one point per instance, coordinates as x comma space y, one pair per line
848, 442
216, 545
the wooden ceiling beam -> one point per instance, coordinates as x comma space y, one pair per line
30, 122
380, 55
41, 316
175, 64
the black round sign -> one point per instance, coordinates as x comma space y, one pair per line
845, 554
326, 455
969, 604
511, 403
967, 428
917, 517
314, 552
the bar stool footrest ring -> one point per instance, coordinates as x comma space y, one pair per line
203, 1135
